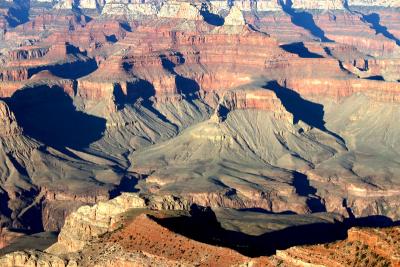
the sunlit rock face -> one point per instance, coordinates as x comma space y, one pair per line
8, 122
278, 106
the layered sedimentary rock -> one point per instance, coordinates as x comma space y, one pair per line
319, 4
135, 230
383, 3
364, 247
179, 10
90, 222
22, 157
263, 5
8, 122
234, 18
238, 105
7, 237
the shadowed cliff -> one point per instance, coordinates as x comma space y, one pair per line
49, 116
303, 19
204, 227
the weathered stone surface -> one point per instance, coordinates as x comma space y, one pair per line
223, 103
9, 126
235, 17
364, 246
89, 222
179, 10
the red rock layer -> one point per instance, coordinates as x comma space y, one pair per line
7, 237
389, 18
145, 235
363, 247
251, 99
279, 25
339, 89
57, 205
28, 52
349, 29
13, 74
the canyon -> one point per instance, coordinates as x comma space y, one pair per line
137, 230
279, 111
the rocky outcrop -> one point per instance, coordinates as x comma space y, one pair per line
13, 74
235, 17
7, 237
338, 90
28, 53
218, 6
179, 10
131, 9
380, 241
89, 222
364, 246
119, 7
146, 234
257, 99
339, 4
8, 123
142, 230
34, 258
84, 4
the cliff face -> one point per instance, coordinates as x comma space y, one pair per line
133, 230
263, 5
242, 107
9, 126
88, 222
367, 247
7, 237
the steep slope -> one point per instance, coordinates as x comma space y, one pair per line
282, 105
35, 193
243, 157
363, 247
134, 229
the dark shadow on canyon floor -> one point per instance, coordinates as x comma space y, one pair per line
299, 49
70, 70
73, 70
127, 184
185, 86
303, 188
48, 115
301, 109
261, 210
204, 227
375, 21
211, 18
304, 20
140, 90
18, 13
375, 78
38, 241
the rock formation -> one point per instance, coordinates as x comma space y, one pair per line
88, 222
9, 126
235, 17
179, 10
133, 229
364, 247
284, 106
7, 237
